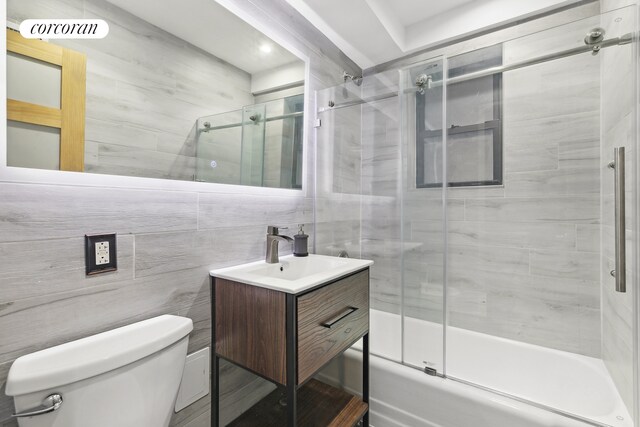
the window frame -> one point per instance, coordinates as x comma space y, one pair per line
495, 125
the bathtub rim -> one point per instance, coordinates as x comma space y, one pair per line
477, 387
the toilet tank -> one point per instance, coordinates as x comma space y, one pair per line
126, 377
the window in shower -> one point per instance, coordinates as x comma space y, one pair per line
474, 123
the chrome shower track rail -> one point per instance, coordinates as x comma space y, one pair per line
617, 41
238, 124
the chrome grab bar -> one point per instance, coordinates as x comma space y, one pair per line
49, 404
620, 272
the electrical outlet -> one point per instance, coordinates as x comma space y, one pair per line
100, 253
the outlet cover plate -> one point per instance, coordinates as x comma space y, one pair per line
100, 253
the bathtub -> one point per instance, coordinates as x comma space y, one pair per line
403, 396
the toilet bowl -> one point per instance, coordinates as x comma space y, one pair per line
125, 377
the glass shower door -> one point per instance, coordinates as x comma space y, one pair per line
531, 305
423, 217
252, 151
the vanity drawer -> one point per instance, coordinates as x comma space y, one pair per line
330, 319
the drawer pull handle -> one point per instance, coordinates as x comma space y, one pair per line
338, 317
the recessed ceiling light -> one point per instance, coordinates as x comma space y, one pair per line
265, 48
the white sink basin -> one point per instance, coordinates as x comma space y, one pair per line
292, 274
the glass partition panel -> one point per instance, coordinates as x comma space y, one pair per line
382, 184
338, 171
252, 161
219, 148
283, 142
359, 193
423, 217
260, 145
532, 310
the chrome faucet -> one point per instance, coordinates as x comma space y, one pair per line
272, 244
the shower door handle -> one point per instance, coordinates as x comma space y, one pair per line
620, 272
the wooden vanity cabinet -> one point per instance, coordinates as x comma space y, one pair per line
287, 338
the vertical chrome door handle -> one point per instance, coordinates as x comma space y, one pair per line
620, 272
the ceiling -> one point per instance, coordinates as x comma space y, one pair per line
209, 26
372, 32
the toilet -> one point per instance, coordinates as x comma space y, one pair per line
126, 377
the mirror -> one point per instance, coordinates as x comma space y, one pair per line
176, 90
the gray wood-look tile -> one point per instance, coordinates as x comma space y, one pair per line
200, 314
552, 130
421, 210
568, 182
588, 238
127, 161
574, 210
579, 154
37, 212
572, 265
546, 311
487, 258
510, 234
218, 210
475, 193
533, 92
165, 252
535, 157
48, 320
55, 266
101, 131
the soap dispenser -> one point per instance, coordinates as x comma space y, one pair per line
301, 243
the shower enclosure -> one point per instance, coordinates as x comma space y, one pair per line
495, 187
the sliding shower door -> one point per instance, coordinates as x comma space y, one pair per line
423, 216
491, 189
531, 307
